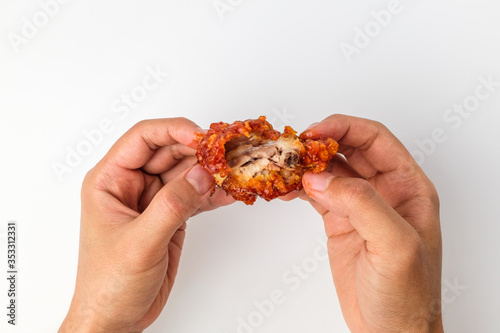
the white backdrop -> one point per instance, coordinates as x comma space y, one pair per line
429, 70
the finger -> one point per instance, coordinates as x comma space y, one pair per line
339, 166
219, 199
167, 157
152, 185
179, 168
356, 201
372, 150
173, 205
136, 147
291, 196
368, 145
317, 206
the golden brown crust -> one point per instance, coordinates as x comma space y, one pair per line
318, 153
276, 179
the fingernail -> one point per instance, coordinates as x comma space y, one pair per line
313, 125
201, 180
318, 182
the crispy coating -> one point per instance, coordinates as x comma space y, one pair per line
250, 158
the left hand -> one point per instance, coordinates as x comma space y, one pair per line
135, 204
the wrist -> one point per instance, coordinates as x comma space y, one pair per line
79, 320
437, 325
83, 319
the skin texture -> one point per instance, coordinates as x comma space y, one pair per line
381, 216
135, 204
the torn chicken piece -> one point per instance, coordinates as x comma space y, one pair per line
250, 158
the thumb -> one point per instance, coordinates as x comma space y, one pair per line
175, 203
356, 201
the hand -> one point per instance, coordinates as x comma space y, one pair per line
135, 204
381, 216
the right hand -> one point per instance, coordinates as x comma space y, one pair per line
381, 216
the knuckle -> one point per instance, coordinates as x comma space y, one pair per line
142, 123
378, 125
410, 170
89, 181
332, 117
336, 118
355, 191
185, 122
181, 119
88, 178
172, 203
432, 194
427, 195
420, 186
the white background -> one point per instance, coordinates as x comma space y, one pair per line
276, 58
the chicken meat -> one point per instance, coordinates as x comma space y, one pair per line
250, 158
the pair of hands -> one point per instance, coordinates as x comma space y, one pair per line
381, 216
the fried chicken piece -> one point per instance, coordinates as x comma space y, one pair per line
250, 158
